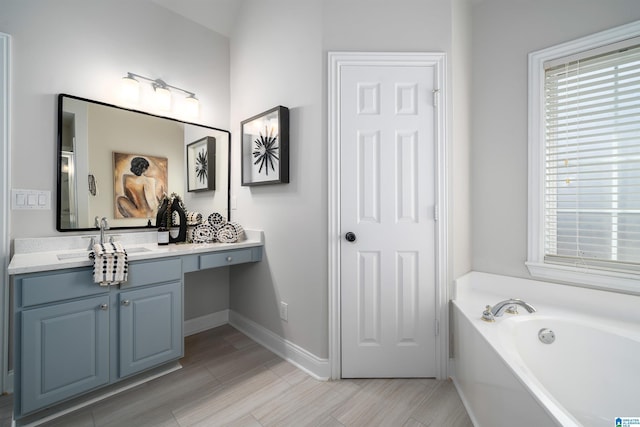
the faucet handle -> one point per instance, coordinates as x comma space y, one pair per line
112, 237
92, 241
512, 309
487, 315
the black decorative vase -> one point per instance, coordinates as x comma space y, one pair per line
162, 219
182, 234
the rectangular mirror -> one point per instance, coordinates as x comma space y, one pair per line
117, 163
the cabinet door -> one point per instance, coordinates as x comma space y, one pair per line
150, 327
64, 351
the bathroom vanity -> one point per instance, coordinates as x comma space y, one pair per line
73, 336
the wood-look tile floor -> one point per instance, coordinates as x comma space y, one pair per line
229, 380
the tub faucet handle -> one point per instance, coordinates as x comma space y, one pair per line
512, 309
487, 315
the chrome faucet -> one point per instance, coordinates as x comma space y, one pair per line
509, 305
102, 224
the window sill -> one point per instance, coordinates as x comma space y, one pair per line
600, 279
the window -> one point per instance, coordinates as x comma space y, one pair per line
584, 187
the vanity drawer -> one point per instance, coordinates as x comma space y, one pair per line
155, 271
51, 287
226, 258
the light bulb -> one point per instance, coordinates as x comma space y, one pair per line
163, 98
130, 88
191, 106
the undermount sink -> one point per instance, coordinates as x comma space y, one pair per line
137, 249
71, 255
78, 255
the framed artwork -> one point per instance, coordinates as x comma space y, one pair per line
140, 181
201, 165
265, 148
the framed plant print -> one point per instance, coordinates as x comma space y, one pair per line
201, 165
265, 148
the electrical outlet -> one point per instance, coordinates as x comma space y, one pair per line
284, 311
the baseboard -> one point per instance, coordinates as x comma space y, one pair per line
292, 353
202, 323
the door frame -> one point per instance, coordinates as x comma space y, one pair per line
6, 383
337, 60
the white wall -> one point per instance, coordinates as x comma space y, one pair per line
276, 59
84, 48
280, 58
504, 32
460, 147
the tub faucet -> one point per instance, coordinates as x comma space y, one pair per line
509, 305
102, 224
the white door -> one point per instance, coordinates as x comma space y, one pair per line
387, 196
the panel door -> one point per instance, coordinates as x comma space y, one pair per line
388, 203
150, 327
64, 351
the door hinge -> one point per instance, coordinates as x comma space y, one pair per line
436, 96
437, 327
435, 213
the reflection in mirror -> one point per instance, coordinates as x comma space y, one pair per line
118, 163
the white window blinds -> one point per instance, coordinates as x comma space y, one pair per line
592, 176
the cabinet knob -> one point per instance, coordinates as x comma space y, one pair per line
126, 302
104, 306
229, 259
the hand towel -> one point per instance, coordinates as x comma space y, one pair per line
231, 232
194, 218
110, 264
204, 233
216, 220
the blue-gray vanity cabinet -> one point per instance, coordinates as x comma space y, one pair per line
150, 327
238, 256
76, 336
64, 351
149, 272
73, 336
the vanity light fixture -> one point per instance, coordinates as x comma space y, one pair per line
162, 90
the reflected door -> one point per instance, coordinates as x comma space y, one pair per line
68, 205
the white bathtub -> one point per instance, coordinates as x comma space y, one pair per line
506, 376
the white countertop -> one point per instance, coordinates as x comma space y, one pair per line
34, 255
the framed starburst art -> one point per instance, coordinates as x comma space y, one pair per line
201, 165
265, 148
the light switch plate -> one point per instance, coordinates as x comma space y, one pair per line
284, 311
30, 199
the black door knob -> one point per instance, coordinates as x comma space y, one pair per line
350, 237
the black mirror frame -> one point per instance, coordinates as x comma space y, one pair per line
61, 97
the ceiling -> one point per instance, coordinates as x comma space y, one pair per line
217, 15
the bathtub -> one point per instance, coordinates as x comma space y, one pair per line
506, 376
